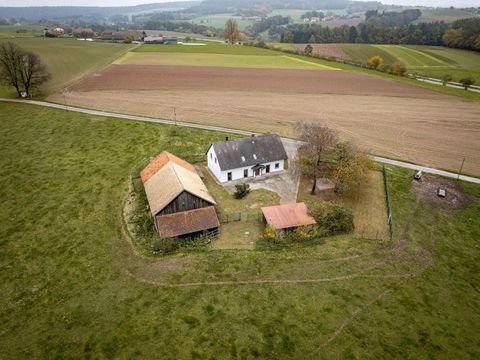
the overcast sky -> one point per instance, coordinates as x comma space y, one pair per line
439, 3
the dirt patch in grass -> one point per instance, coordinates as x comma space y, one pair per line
426, 188
326, 50
138, 77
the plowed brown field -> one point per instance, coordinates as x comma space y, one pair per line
136, 77
382, 116
326, 50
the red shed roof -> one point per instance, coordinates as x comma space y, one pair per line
287, 216
187, 222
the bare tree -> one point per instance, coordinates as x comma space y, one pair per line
21, 69
33, 73
10, 65
317, 139
231, 31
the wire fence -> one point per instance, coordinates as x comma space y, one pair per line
389, 207
241, 216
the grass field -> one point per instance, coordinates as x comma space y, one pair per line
73, 288
218, 21
69, 60
209, 49
432, 61
13, 31
220, 60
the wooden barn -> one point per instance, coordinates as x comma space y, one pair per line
179, 200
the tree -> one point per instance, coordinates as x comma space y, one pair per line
317, 139
375, 61
467, 81
331, 218
231, 31
21, 69
288, 37
241, 190
351, 174
446, 78
33, 73
398, 69
308, 50
10, 65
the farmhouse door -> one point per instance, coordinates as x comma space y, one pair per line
257, 172
267, 169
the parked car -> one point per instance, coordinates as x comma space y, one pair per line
418, 175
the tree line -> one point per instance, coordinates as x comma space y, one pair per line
464, 34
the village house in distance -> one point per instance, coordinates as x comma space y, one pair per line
247, 157
179, 201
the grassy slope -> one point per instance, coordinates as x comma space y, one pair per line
67, 292
69, 60
432, 61
218, 21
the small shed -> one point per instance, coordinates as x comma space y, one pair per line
287, 216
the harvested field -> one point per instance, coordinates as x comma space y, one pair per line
135, 77
437, 132
326, 50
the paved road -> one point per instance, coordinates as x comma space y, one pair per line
288, 142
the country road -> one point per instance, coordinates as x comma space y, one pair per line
289, 142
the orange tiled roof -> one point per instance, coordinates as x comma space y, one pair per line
160, 161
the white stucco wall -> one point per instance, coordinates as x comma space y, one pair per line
237, 174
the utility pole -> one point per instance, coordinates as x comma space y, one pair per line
461, 168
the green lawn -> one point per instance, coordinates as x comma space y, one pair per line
220, 60
68, 59
12, 31
363, 52
73, 288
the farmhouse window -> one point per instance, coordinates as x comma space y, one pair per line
267, 169
215, 160
245, 173
277, 165
229, 176
211, 156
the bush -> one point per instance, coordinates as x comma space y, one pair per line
241, 190
467, 81
269, 233
332, 218
165, 246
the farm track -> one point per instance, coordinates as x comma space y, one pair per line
378, 159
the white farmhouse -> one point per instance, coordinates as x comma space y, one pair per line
248, 157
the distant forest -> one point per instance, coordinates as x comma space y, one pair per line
389, 28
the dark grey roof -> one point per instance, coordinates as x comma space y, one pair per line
249, 151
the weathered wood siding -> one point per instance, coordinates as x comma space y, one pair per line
184, 202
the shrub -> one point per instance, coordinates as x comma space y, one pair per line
164, 245
332, 218
241, 190
269, 233
467, 81
398, 69
375, 61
